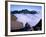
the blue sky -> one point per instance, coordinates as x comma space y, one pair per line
20, 7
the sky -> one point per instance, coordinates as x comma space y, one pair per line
20, 7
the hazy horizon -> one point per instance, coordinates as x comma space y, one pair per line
22, 7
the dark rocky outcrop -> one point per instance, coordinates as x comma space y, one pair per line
38, 26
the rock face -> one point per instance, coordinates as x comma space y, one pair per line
15, 24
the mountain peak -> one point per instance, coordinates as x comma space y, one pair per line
25, 11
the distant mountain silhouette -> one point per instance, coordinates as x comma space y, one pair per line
25, 11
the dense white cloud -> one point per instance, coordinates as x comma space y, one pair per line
31, 19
